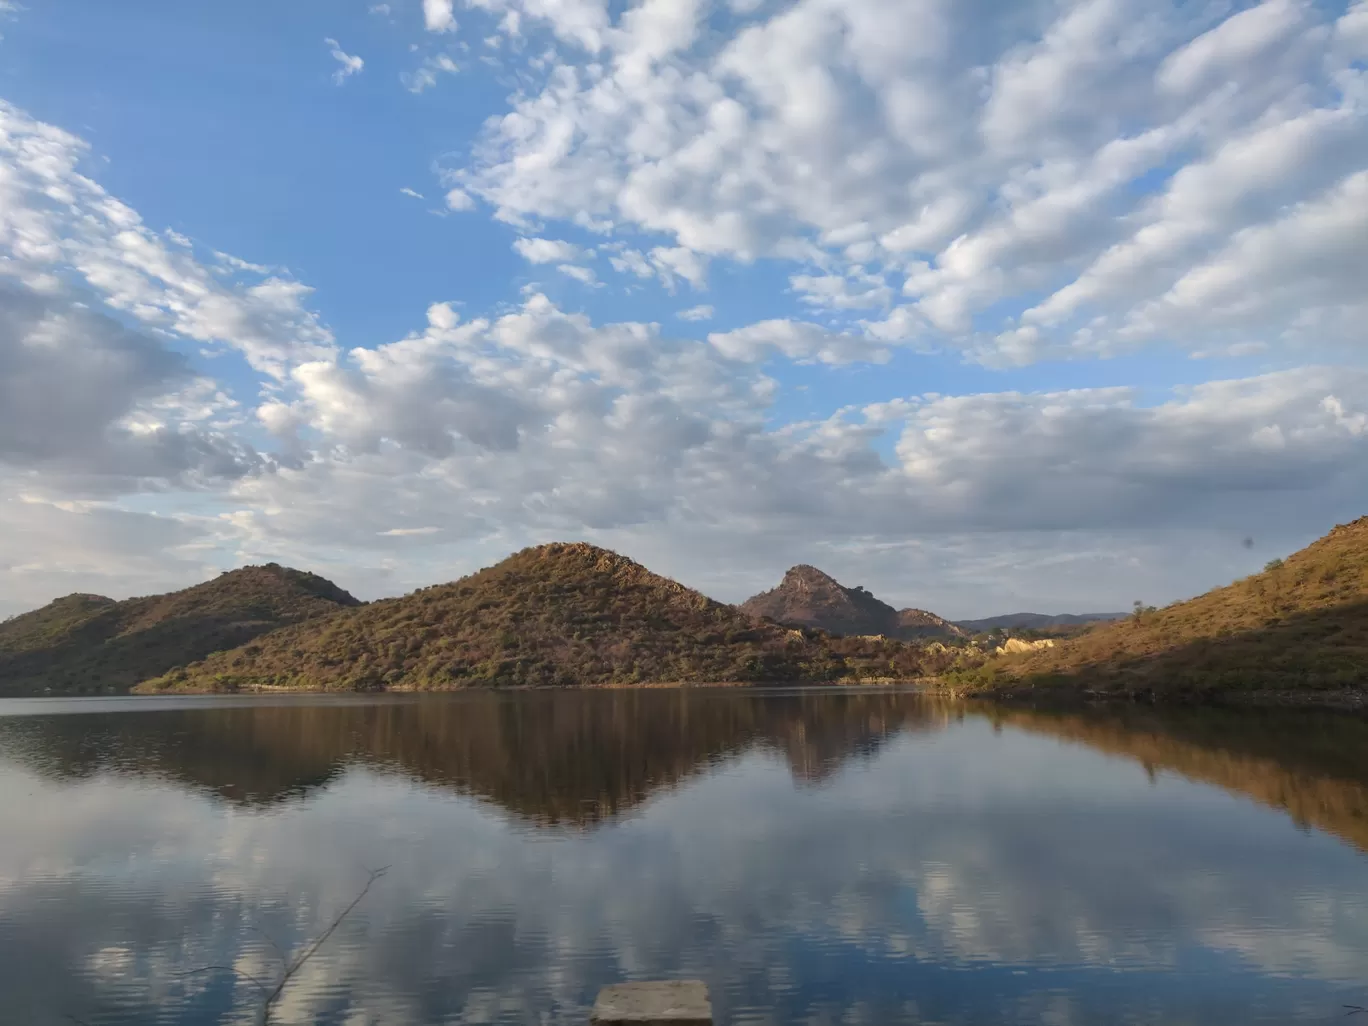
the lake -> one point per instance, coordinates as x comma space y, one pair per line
817, 857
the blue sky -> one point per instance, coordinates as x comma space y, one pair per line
1051, 299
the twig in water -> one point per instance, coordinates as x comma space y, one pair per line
272, 994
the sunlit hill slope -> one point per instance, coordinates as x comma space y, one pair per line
1301, 625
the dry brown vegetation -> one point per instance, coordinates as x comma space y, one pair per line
1301, 625
560, 614
90, 644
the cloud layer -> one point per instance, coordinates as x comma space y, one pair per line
1191, 174
810, 189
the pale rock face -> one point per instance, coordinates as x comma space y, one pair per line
1013, 645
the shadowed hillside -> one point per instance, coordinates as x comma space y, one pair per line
561, 614
809, 598
551, 757
1299, 627
88, 643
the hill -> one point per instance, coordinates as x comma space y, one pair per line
89, 643
560, 614
1034, 621
1300, 627
809, 598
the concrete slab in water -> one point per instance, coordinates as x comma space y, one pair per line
665, 1003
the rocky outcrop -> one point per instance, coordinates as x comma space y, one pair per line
810, 598
1020, 645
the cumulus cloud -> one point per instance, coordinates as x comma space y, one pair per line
438, 16
458, 199
87, 398
547, 251
583, 275
796, 340
425, 76
56, 221
349, 64
540, 423
1082, 160
696, 313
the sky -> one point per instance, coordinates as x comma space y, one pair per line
984, 305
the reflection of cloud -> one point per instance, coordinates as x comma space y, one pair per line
908, 886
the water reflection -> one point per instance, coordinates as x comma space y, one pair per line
553, 757
818, 858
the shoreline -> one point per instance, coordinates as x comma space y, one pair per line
1351, 700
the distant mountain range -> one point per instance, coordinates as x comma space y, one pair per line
1035, 621
807, 597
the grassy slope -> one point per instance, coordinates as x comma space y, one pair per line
88, 643
1302, 625
562, 614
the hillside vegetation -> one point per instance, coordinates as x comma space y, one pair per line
89, 643
1299, 626
560, 614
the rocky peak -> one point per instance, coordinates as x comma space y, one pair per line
810, 598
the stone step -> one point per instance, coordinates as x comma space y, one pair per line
656, 1003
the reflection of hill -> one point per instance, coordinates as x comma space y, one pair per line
1314, 766
551, 757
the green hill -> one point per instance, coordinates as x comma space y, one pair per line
89, 643
1300, 626
561, 614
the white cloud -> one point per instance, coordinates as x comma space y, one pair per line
584, 275
438, 16
670, 261
1093, 153
425, 77
854, 290
626, 260
796, 340
696, 313
103, 407
348, 64
546, 251
411, 193
56, 221
458, 199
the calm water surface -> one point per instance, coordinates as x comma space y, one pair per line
851, 857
